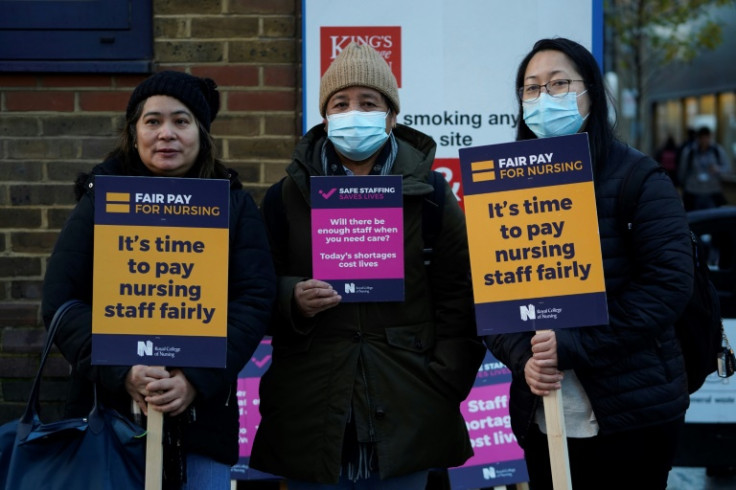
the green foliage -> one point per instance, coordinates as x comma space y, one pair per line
646, 36
659, 32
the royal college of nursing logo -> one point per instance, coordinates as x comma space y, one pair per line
384, 39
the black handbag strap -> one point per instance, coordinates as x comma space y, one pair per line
32, 407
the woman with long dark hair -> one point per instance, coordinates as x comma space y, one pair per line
624, 387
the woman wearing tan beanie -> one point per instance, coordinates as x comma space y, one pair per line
366, 395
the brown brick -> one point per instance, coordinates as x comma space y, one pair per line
95, 149
23, 340
56, 365
248, 172
17, 314
104, 101
224, 27
190, 7
32, 242
281, 26
20, 218
16, 390
76, 80
53, 389
57, 217
118, 123
190, 51
172, 28
11, 125
18, 366
18, 80
229, 75
245, 125
42, 148
66, 172
258, 148
39, 101
281, 126
81, 125
20, 171
11, 411
182, 67
264, 6
21, 195
279, 76
262, 100
128, 81
219, 147
273, 51
26, 290
274, 171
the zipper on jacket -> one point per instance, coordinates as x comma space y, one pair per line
364, 377
369, 402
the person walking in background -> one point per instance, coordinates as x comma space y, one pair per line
666, 156
624, 386
366, 395
690, 135
701, 167
167, 133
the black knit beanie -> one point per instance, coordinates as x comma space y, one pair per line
200, 95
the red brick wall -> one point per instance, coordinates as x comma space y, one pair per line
53, 126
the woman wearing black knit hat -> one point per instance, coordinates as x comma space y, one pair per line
166, 134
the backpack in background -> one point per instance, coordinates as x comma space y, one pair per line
699, 328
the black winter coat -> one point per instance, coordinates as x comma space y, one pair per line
631, 369
251, 292
401, 368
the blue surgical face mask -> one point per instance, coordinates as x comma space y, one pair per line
357, 134
553, 116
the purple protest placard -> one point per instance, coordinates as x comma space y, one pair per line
249, 380
497, 458
358, 236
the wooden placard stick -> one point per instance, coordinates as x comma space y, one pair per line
154, 449
557, 440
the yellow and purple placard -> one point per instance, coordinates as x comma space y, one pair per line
358, 236
160, 271
533, 235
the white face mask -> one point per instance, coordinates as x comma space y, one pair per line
357, 134
553, 116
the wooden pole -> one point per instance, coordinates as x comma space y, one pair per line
154, 449
557, 441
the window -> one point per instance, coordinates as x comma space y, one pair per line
76, 36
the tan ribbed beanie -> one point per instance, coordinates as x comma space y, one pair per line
359, 64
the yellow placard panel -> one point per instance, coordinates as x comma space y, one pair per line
534, 243
149, 280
